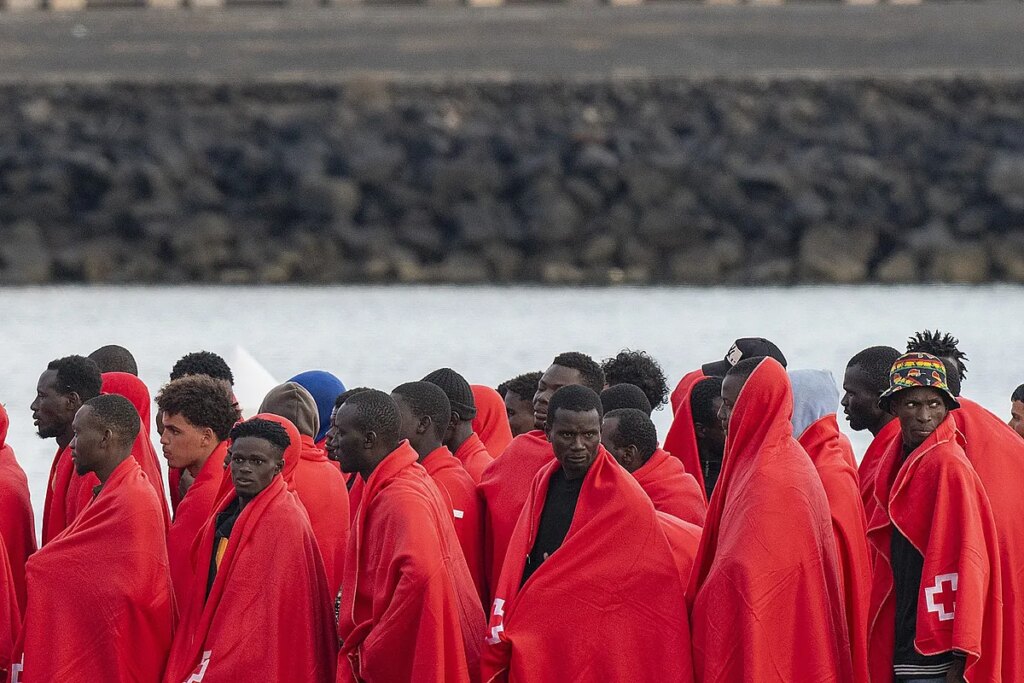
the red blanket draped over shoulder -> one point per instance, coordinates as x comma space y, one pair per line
832, 455
961, 590
10, 614
491, 421
474, 457
133, 389
99, 594
671, 488
190, 520
505, 486
608, 604
269, 613
888, 435
459, 494
409, 610
765, 591
17, 523
681, 439
65, 494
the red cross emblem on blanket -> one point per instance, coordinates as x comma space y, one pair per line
941, 598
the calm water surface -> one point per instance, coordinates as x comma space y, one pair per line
383, 336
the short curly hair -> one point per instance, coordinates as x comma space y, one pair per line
114, 358
591, 374
625, 396
347, 394
117, 414
639, 369
524, 386
377, 412
203, 363
79, 375
702, 400
268, 430
634, 429
203, 401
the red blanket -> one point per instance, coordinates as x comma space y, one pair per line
605, 606
10, 614
474, 456
491, 421
961, 589
268, 616
831, 455
409, 611
17, 523
99, 594
765, 591
505, 486
672, 489
190, 520
463, 502
133, 389
889, 435
65, 494
681, 439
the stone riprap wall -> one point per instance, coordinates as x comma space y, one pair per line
719, 181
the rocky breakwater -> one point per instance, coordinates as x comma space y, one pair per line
718, 181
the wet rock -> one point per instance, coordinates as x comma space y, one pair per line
24, 258
901, 267
832, 254
1005, 179
966, 263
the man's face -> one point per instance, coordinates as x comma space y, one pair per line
185, 444
1017, 417
87, 444
520, 413
920, 411
731, 387
346, 444
254, 464
712, 436
553, 379
574, 438
860, 400
609, 437
52, 410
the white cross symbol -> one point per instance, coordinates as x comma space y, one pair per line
937, 598
499, 611
16, 670
200, 672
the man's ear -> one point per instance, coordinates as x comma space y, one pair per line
369, 440
424, 425
208, 436
74, 400
632, 455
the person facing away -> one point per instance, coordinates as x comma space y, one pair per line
506, 482
100, 604
114, 358
317, 482
937, 599
491, 421
260, 608
17, 520
459, 436
63, 387
425, 411
770, 610
625, 396
198, 414
409, 610
631, 438
641, 370
325, 388
1017, 410
518, 396
815, 401
590, 563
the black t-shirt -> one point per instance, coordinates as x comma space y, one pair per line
711, 470
224, 525
559, 508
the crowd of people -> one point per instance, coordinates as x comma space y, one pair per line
540, 531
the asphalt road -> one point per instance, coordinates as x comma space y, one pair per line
519, 42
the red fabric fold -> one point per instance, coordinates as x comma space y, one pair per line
888, 435
605, 606
409, 611
505, 486
17, 522
66, 494
460, 495
268, 616
474, 456
190, 520
832, 455
961, 563
10, 614
681, 439
671, 488
765, 593
100, 606
133, 389
491, 421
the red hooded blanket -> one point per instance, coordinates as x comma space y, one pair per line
462, 500
672, 489
831, 454
765, 591
99, 594
190, 520
505, 486
681, 439
17, 523
607, 605
938, 502
474, 456
491, 421
268, 616
409, 611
